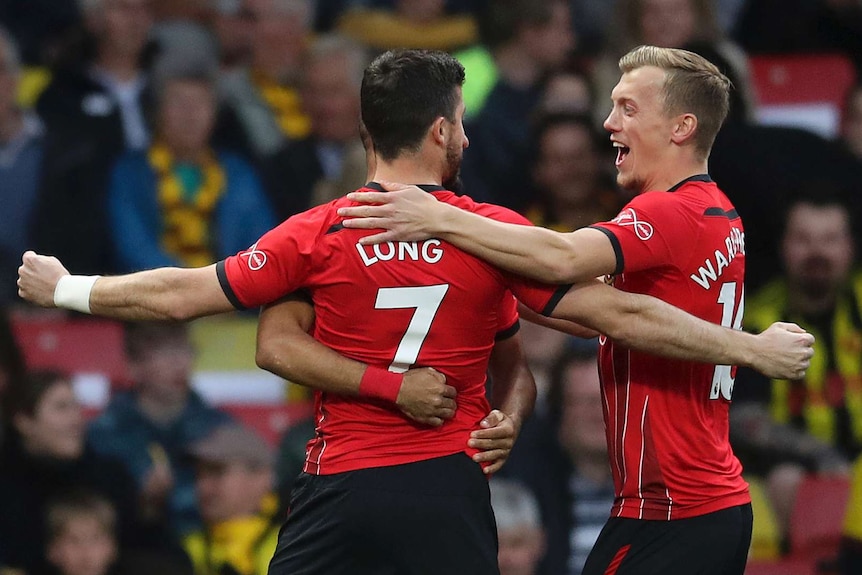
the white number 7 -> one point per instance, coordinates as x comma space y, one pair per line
722, 381
426, 300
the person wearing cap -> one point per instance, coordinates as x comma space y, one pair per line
234, 482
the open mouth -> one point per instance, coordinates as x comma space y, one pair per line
622, 152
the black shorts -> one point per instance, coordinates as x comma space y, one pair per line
712, 544
431, 517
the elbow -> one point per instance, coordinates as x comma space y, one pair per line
266, 357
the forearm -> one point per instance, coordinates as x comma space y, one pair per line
304, 360
532, 252
653, 326
176, 294
514, 389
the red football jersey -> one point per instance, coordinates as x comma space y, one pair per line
395, 305
667, 420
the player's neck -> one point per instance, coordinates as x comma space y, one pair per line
407, 171
674, 173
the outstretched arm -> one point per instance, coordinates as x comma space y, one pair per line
285, 348
411, 214
650, 325
159, 294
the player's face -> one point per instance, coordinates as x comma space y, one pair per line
455, 147
817, 248
56, 428
640, 129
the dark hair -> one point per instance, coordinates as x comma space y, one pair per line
403, 93
79, 503
139, 337
26, 394
821, 194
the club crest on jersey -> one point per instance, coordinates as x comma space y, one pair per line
256, 258
629, 218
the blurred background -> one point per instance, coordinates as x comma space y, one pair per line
143, 133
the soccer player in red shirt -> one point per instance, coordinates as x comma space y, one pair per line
681, 503
383, 494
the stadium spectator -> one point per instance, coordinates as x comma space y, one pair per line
234, 487
331, 160
562, 456
408, 24
820, 416
569, 195
669, 24
81, 536
181, 202
566, 91
519, 527
262, 105
149, 427
527, 40
21, 148
233, 24
46, 456
95, 107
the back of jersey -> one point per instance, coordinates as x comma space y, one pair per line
396, 305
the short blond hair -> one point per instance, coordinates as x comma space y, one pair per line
692, 84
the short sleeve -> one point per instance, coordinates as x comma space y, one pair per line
507, 317
647, 229
279, 263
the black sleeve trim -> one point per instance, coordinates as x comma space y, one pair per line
555, 299
618, 250
225, 286
508, 332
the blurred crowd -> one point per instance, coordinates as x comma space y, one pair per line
144, 133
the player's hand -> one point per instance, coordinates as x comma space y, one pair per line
37, 278
406, 212
424, 397
786, 351
494, 440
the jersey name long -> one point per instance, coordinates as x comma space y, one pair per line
396, 305
667, 420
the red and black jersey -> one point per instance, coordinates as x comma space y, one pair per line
395, 305
667, 420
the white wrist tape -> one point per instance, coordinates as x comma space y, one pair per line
73, 292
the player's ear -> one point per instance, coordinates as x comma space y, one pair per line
684, 127
439, 130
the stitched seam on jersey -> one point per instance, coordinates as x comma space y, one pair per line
626, 417
641, 467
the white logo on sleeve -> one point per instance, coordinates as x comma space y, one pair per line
629, 218
256, 258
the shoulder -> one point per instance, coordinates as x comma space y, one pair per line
491, 211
